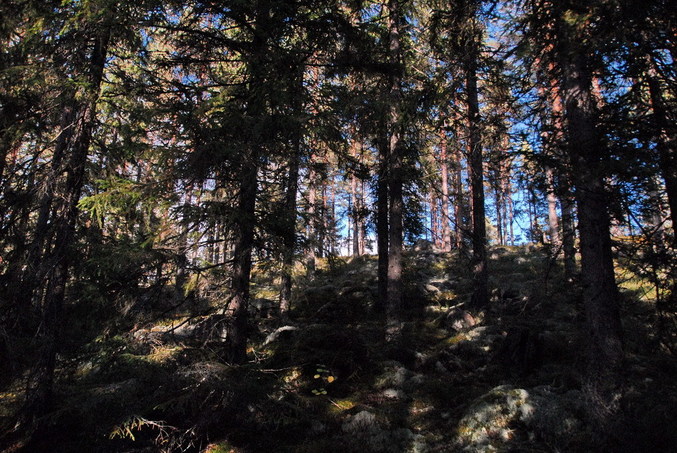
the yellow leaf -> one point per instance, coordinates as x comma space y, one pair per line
331, 379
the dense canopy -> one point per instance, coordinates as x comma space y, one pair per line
285, 198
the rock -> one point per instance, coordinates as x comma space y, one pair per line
208, 328
273, 336
488, 422
393, 394
556, 417
361, 422
460, 319
394, 375
368, 434
506, 412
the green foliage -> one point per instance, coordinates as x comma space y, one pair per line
118, 197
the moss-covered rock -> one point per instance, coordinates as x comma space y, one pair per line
507, 416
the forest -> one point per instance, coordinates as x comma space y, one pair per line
338, 226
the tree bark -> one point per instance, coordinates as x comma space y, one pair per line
553, 218
243, 240
588, 155
568, 228
58, 257
444, 216
396, 177
289, 240
480, 297
382, 221
665, 140
311, 226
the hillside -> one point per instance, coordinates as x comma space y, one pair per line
324, 380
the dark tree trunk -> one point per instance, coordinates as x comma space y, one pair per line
382, 222
588, 155
444, 216
57, 258
290, 231
568, 228
665, 140
460, 205
356, 216
480, 297
395, 177
249, 164
291, 189
243, 240
311, 225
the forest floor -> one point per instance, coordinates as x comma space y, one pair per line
507, 379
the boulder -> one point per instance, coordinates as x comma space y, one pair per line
366, 433
506, 414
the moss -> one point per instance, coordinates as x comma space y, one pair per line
340, 406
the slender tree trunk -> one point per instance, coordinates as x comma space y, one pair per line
480, 297
600, 293
353, 210
506, 190
665, 141
382, 222
289, 239
36, 265
180, 258
396, 177
444, 216
556, 145
568, 229
330, 220
63, 223
511, 218
460, 202
435, 235
311, 226
553, 218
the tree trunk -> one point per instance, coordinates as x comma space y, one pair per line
553, 218
311, 225
480, 297
396, 177
568, 229
555, 145
665, 141
382, 222
460, 202
588, 154
58, 259
289, 240
354, 211
444, 216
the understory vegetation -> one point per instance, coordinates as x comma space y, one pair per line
140, 374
